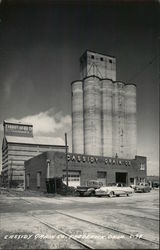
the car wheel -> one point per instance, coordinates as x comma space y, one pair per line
92, 194
111, 194
76, 194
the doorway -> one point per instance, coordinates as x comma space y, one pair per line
121, 178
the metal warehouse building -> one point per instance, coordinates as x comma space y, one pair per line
19, 145
82, 168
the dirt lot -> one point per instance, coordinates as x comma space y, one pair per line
114, 223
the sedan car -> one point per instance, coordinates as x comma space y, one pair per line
142, 188
114, 190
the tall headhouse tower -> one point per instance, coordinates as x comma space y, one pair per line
103, 110
103, 66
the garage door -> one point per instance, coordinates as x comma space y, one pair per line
73, 178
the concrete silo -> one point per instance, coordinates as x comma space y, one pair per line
130, 113
77, 117
103, 110
92, 115
106, 95
118, 125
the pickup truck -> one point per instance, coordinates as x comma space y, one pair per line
89, 189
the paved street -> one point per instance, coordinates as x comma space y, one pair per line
106, 223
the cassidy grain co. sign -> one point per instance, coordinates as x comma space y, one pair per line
95, 159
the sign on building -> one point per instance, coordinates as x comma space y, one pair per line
18, 129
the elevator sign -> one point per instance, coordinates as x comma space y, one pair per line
18, 129
82, 158
94, 159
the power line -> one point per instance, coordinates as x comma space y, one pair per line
143, 69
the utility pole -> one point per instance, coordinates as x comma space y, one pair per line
66, 160
48, 168
48, 177
24, 184
11, 174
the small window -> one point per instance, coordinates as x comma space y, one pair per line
38, 179
101, 58
101, 174
92, 56
110, 60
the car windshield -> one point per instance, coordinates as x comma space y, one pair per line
116, 185
121, 185
94, 183
111, 184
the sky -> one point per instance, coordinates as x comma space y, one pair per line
40, 46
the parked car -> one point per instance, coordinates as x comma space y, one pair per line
155, 184
89, 189
114, 190
142, 188
133, 186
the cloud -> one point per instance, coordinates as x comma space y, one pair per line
47, 123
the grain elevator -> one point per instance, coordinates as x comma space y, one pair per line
103, 131
103, 110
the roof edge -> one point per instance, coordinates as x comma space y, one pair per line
92, 51
17, 123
